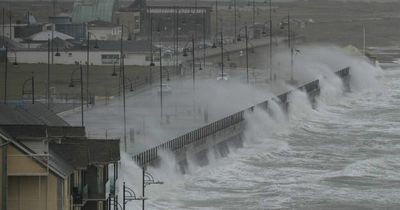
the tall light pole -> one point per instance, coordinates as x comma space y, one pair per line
161, 89
270, 39
193, 62
204, 39
71, 84
222, 55
48, 73
247, 54
122, 68
4, 11
87, 67
247, 50
5, 75
216, 16
235, 11
177, 41
147, 179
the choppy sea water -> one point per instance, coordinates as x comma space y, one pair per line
343, 155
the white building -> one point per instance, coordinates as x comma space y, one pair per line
101, 53
100, 30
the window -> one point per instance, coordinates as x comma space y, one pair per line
110, 58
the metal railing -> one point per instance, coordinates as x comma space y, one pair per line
150, 155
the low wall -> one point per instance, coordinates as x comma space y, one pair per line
198, 141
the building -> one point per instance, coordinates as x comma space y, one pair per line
165, 19
130, 19
90, 10
63, 23
48, 164
102, 52
101, 30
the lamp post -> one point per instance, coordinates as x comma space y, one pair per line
247, 51
254, 16
113, 202
204, 40
222, 52
193, 59
235, 11
216, 16
293, 51
71, 84
122, 68
161, 89
147, 179
222, 55
32, 80
5, 74
270, 39
128, 195
48, 73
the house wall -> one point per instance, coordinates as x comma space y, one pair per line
19, 164
129, 19
105, 33
71, 57
33, 193
30, 187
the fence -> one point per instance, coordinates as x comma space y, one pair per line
150, 155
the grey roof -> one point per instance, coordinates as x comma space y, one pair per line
81, 152
42, 131
29, 114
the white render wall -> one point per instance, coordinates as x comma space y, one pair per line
70, 57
